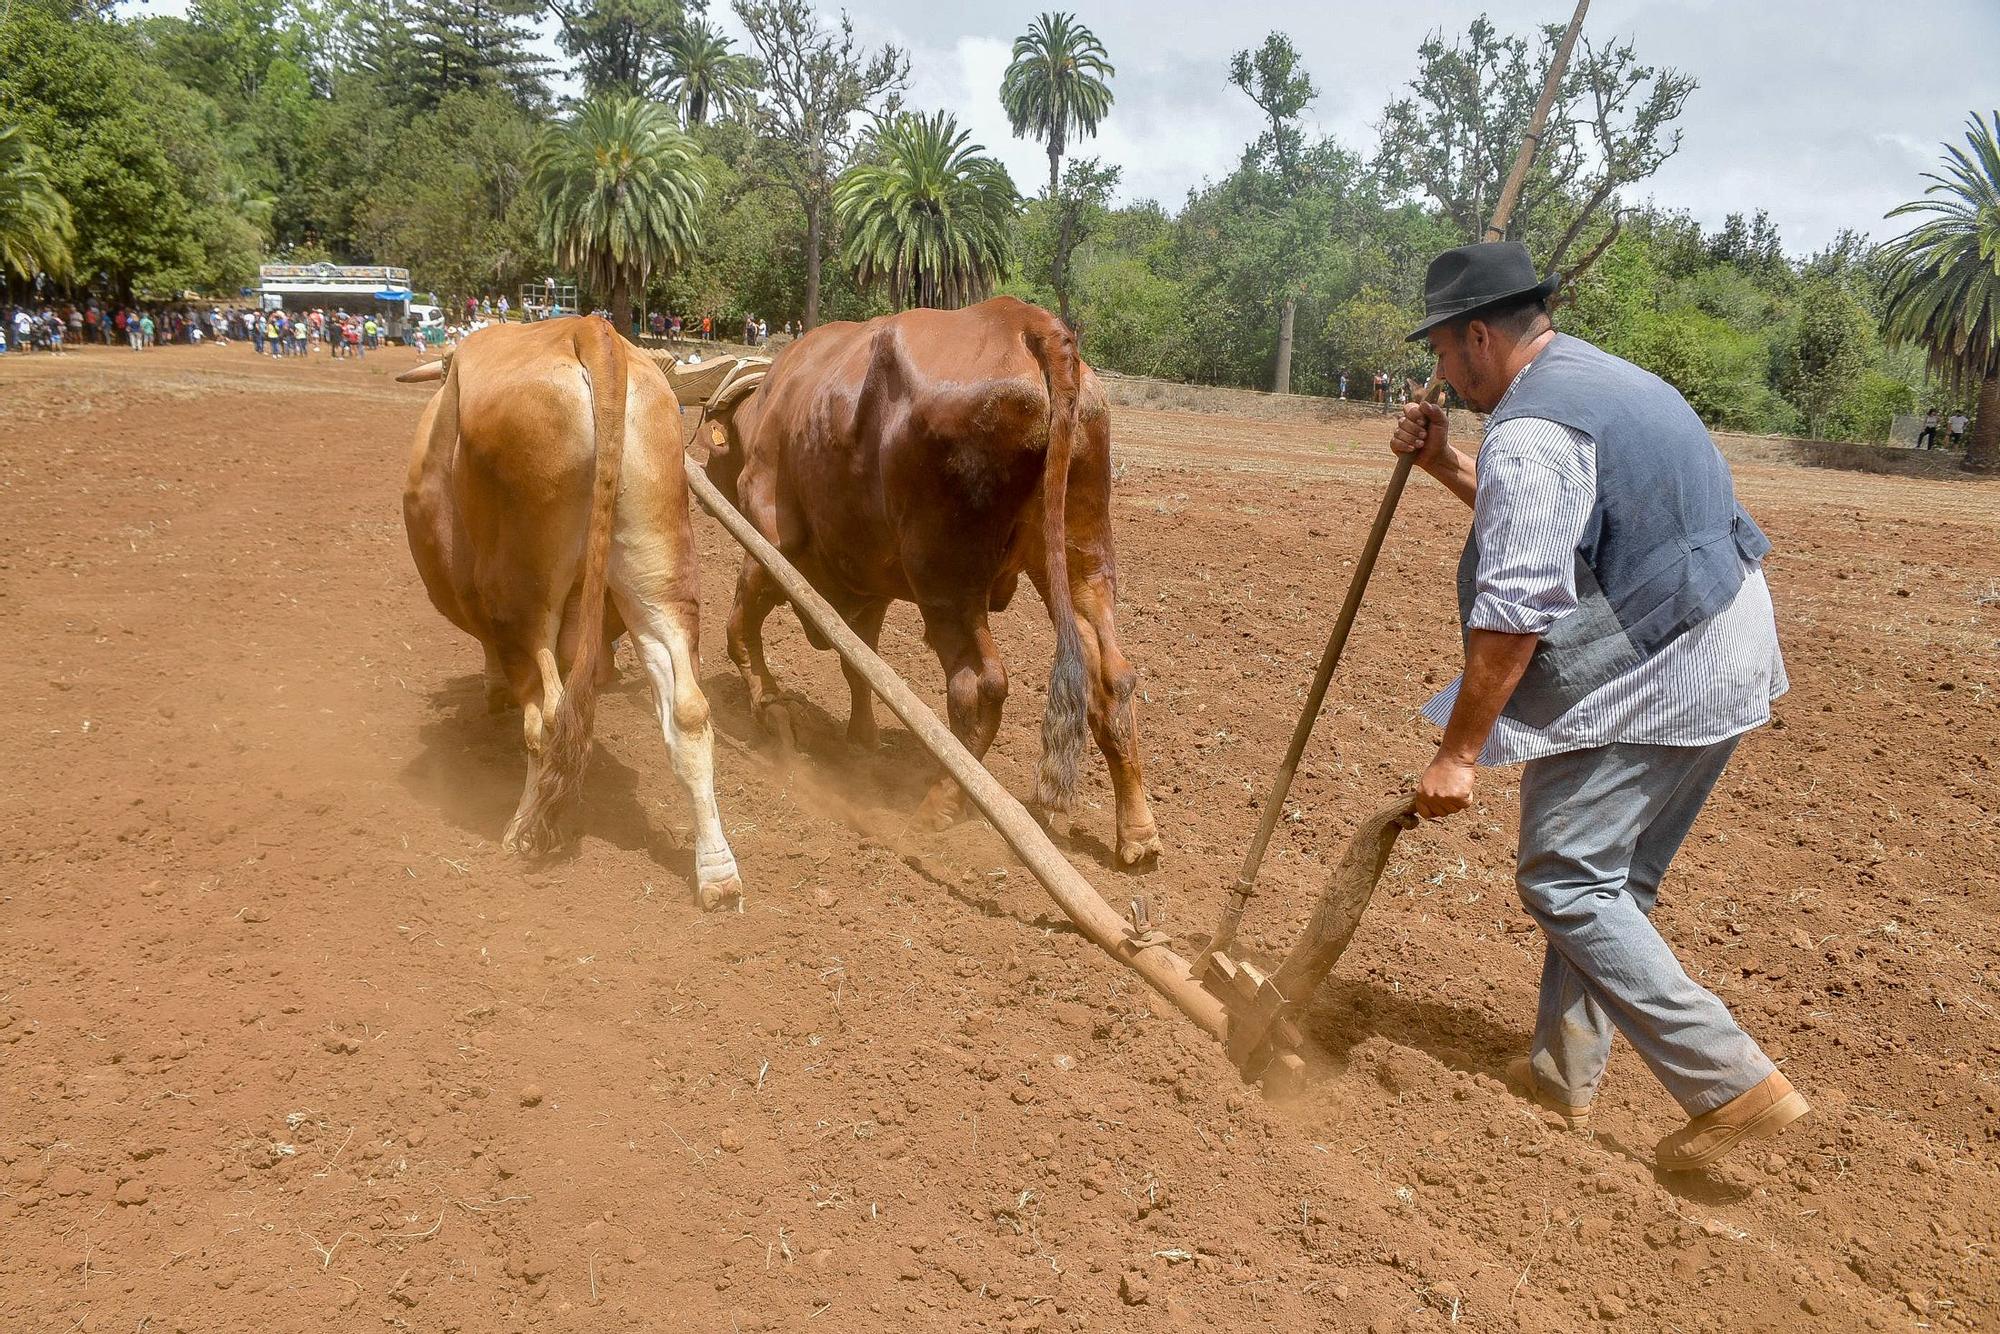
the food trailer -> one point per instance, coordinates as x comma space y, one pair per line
365, 289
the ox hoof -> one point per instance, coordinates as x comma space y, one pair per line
776, 720
1133, 851
937, 814
713, 895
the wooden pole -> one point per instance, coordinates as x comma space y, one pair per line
1531, 142
1281, 783
1165, 971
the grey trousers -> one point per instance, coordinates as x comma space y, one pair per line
1598, 828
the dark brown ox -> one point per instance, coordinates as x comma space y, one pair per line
547, 511
935, 457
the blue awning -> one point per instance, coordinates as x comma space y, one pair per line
393, 294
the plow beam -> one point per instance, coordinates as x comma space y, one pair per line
1165, 971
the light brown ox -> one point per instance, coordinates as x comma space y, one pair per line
546, 483
936, 457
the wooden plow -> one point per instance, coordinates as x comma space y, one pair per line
1255, 1013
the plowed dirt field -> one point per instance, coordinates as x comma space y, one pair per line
287, 1043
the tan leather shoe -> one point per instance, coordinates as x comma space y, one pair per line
1757, 1114
1521, 1078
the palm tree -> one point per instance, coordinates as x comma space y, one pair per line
703, 75
36, 231
926, 213
1055, 87
621, 191
1943, 281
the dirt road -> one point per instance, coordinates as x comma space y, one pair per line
287, 1043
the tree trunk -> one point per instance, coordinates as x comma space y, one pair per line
1060, 278
1281, 383
621, 305
1055, 168
1982, 450
813, 228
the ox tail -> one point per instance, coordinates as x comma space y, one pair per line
1064, 720
566, 749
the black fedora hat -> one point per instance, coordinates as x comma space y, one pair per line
1472, 277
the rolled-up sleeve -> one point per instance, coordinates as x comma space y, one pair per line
1537, 484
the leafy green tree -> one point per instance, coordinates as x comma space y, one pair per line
1055, 228
138, 156
816, 81
1365, 334
704, 75
621, 191
752, 259
1826, 352
1454, 136
926, 213
35, 226
451, 200
1055, 88
1943, 280
1134, 318
459, 45
617, 44
1277, 178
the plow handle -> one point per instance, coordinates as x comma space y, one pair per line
1336, 644
1496, 229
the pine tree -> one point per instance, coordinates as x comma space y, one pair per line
419, 50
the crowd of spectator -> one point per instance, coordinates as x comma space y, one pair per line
53, 327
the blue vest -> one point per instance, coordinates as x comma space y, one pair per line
1666, 542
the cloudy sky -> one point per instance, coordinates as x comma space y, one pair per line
1825, 112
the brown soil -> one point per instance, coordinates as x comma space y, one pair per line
287, 1043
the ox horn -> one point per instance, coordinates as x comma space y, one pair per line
429, 370
742, 380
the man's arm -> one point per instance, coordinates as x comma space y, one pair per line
1534, 498
1421, 432
1494, 662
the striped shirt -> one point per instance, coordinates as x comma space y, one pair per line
1537, 486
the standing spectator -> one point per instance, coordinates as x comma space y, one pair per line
707, 328
503, 307
658, 323
1343, 384
763, 332
1958, 424
75, 322
145, 330
1927, 438
355, 347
